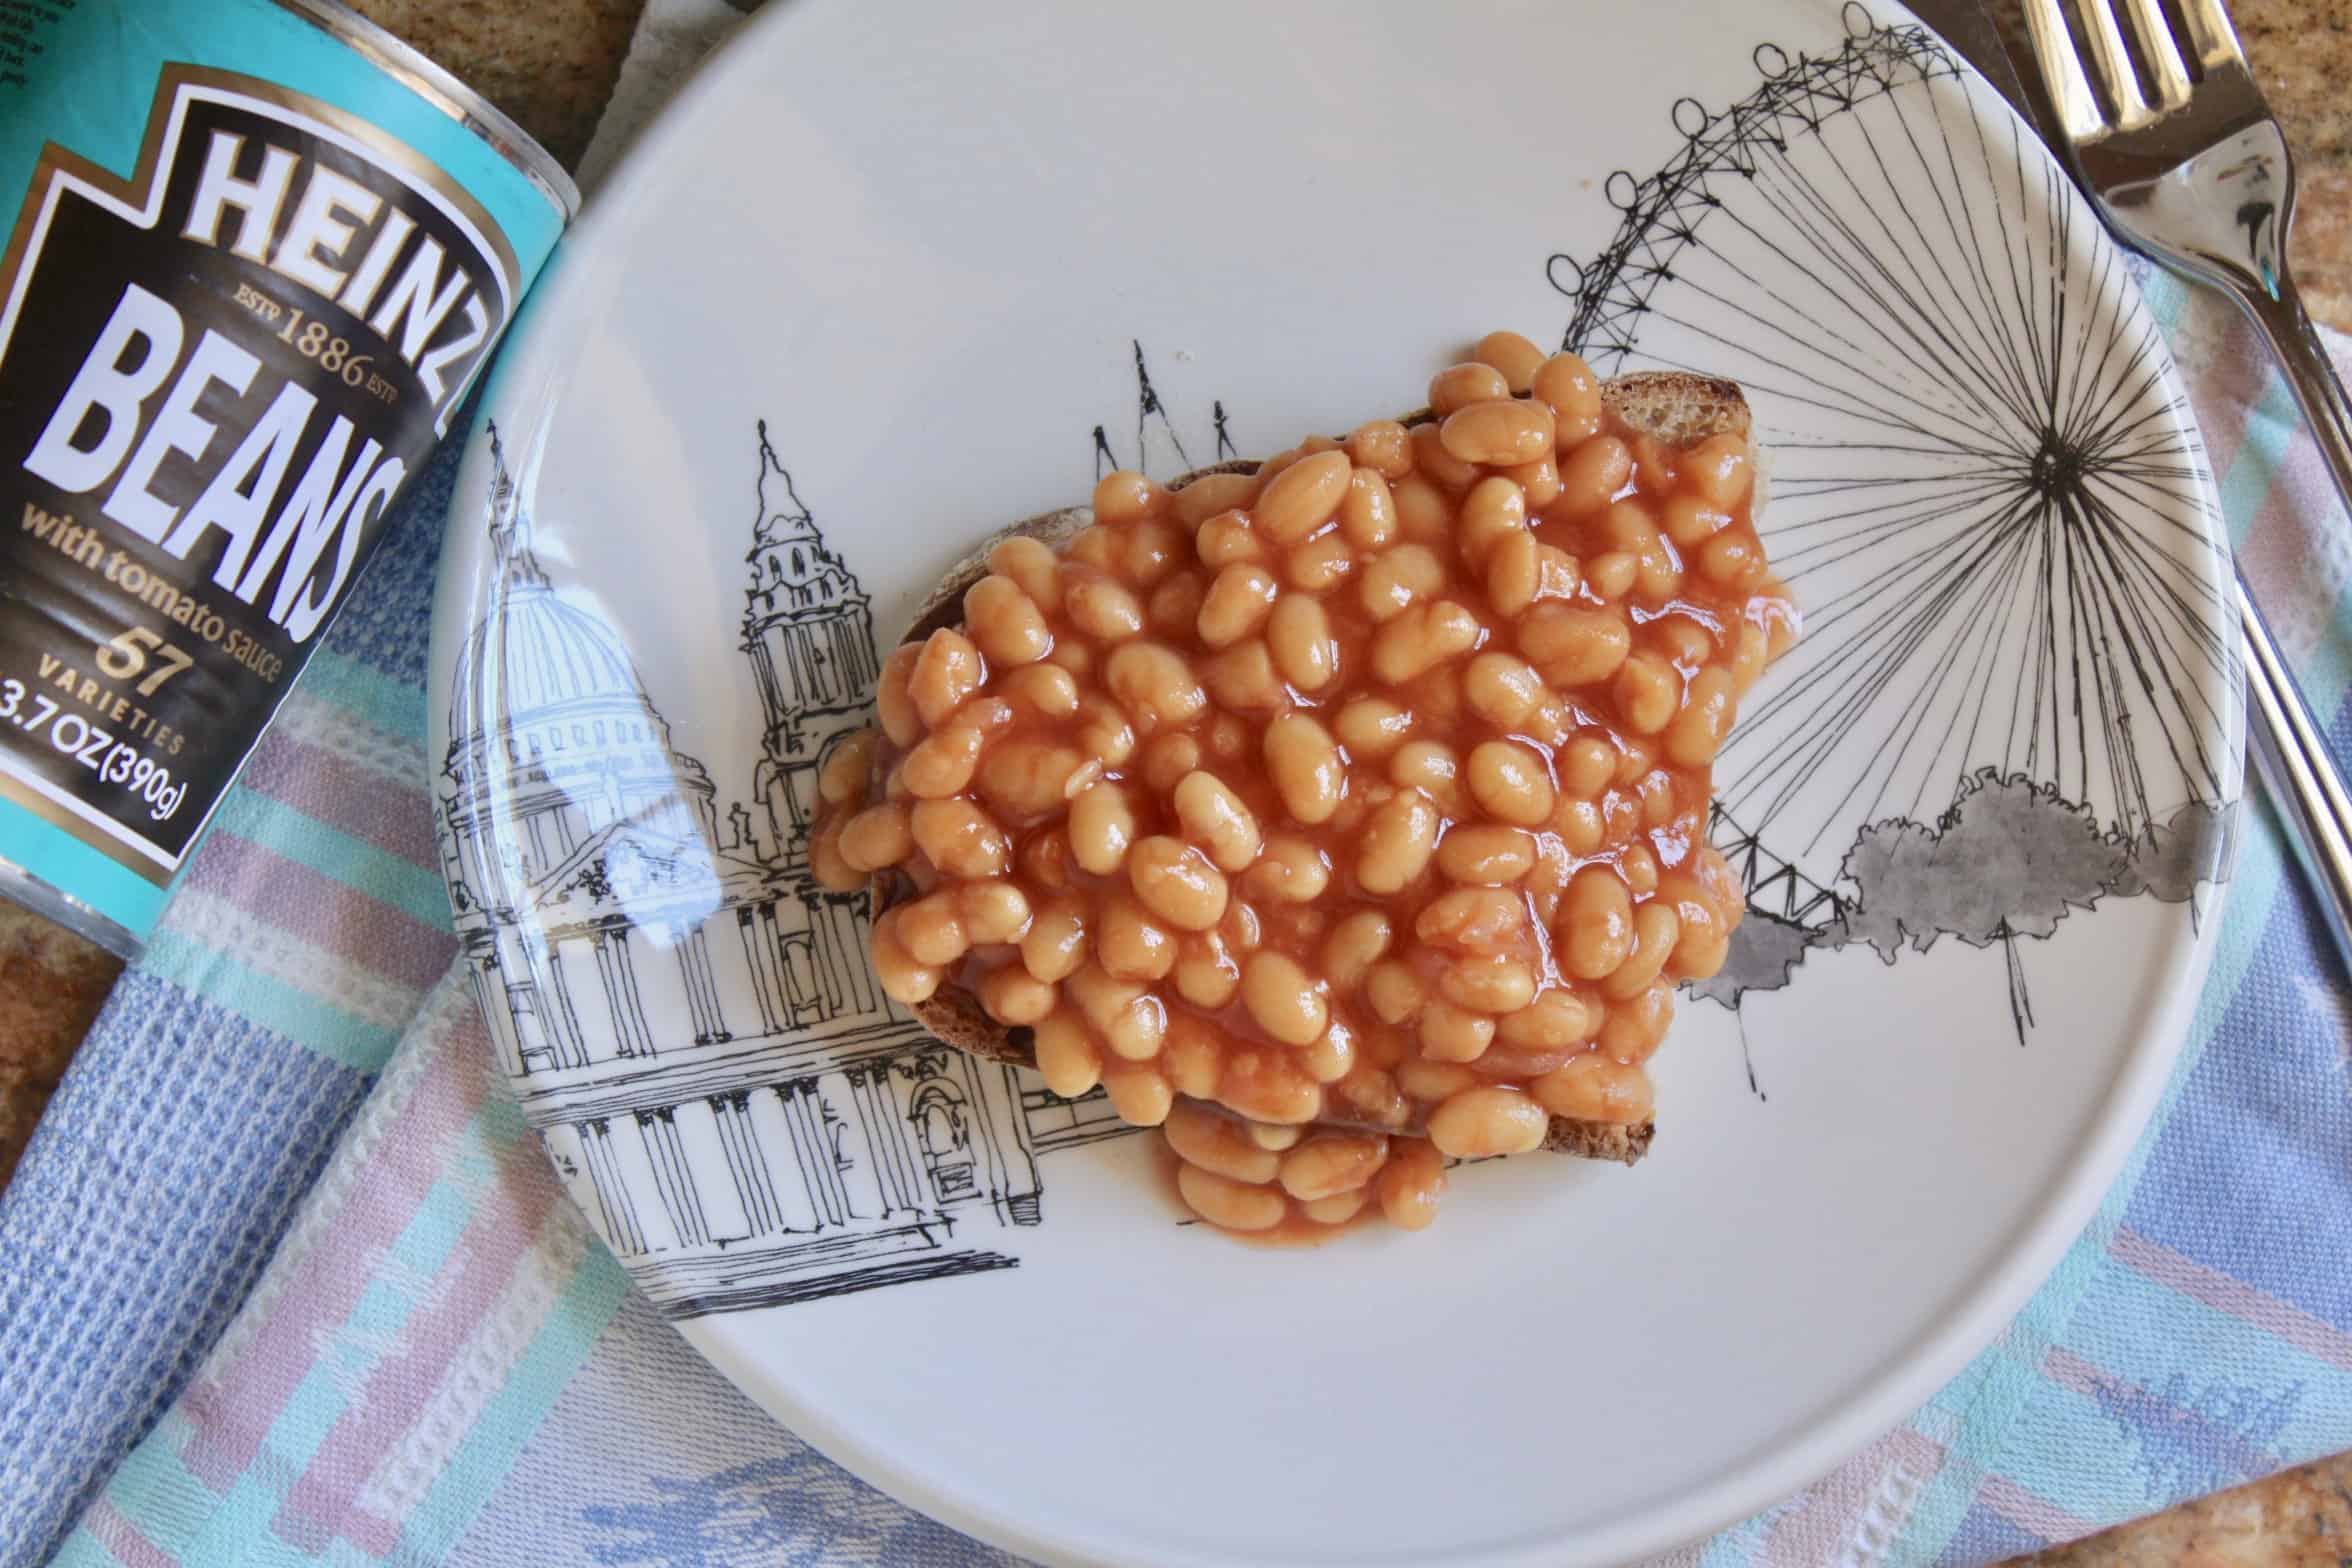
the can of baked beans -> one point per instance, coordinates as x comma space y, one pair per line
261, 250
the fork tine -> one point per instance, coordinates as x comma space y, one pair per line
2159, 53
2113, 64
2079, 115
2211, 37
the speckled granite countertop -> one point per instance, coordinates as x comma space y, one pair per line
551, 63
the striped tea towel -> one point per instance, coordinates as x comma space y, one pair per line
439, 1367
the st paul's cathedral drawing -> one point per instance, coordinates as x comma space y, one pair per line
687, 1017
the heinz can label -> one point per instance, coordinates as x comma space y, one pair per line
262, 250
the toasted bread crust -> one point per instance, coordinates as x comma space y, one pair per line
1676, 407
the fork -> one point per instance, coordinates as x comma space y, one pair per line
2186, 164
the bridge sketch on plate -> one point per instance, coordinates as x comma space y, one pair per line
688, 1019
1989, 506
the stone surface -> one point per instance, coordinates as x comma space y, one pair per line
550, 64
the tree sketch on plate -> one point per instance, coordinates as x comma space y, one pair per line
1989, 507
688, 1018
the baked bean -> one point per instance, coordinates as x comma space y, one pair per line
1140, 1093
1237, 604
1495, 509
1430, 1082
1136, 1030
1368, 514
1154, 684
1103, 731
1453, 1033
1688, 521
1227, 539
1421, 638
1006, 622
1055, 943
1432, 768
1299, 637
1486, 855
1332, 1057
1218, 1143
1124, 496
1193, 1055
931, 931
1207, 974
1587, 764
1130, 944
1243, 678
1046, 690
1339, 1208
1709, 708
1490, 983
1272, 1137
1303, 497
1656, 928
1718, 470
1371, 727
1382, 446
1045, 859
993, 910
1167, 759
1023, 780
1424, 514
1591, 477
1332, 1163
1732, 559
1515, 572
1101, 606
1284, 1000
1459, 386
958, 838
1705, 941
1636, 1025
1574, 647
1176, 883
905, 979
1488, 1120
1102, 826
1647, 693
1264, 1086
1319, 563
1539, 479
1595, 931
1654, 463
1352, 948
878, 836
1304, 763
1501, 433
1514, 356
1229, 1204
833, 873
1210, 494
1639, 867
1593, 1088
1556, 1017
1395, 993
1409, 1186
1613, 573
1369, 1094
1398, 578
1217, 820
1475, 919
1432, 461
1032, 564
1174, 609
843, 777
1148, 552
946, 672
1502, 689
1012, 995
1398, 840
1068, 1059
1565, 384
1510, 782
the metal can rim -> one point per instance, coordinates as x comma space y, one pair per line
462, 103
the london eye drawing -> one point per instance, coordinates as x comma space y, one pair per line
1985, 492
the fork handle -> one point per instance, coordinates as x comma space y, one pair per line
2310, 375
2298, 771
2290, 748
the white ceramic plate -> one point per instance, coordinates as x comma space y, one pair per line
880, 284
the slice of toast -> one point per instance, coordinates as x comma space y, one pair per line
1675, 407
